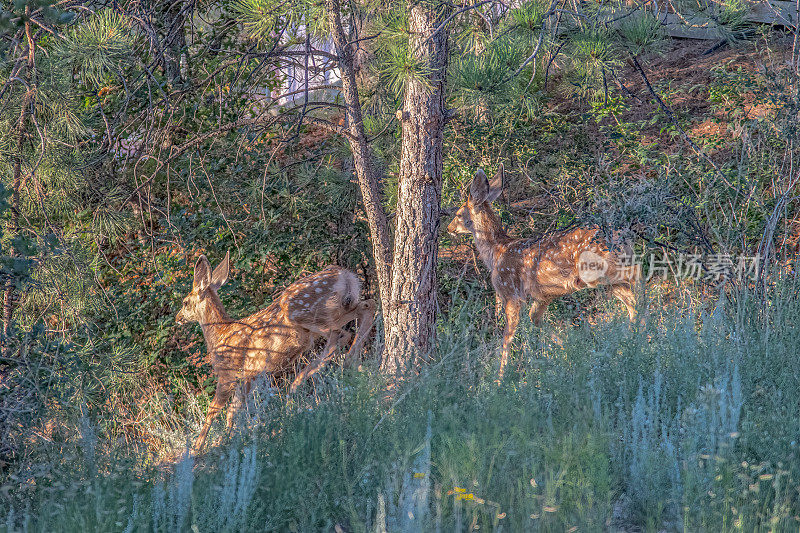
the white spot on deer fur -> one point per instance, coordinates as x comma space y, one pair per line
318, 290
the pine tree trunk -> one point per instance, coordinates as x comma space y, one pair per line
362, 156
174, 18
9, 296
482, 108
410, 321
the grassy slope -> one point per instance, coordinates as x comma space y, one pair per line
690, 423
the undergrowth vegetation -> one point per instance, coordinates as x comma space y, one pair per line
689, 422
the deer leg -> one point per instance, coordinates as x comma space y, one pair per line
318, 361
365, 313
498, 306
512, 319
344, 339
625, 294
238, 401
233, 408
640, 292
536, 312
221, 397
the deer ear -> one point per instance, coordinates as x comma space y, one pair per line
220, 275
496, 185
479, 189
202, 273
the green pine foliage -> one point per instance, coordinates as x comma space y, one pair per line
263, 19
641, 34
101, 47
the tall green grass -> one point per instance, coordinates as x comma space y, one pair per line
690, 422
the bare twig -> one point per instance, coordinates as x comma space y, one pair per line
664, 107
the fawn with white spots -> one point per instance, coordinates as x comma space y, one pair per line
539, 269
272, 339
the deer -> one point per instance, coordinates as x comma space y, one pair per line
271, 340
544, 269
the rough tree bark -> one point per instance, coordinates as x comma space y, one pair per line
174, 19
478, 32
9, 296
410, 320
362, 155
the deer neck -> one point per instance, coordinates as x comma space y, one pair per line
490, 237
212, 319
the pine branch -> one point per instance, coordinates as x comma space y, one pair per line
446, 21
261, 122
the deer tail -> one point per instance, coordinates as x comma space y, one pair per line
350, 291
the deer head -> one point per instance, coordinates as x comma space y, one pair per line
482, 192
204, 289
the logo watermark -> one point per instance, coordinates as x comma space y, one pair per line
591, 267
698, 267
702, 267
